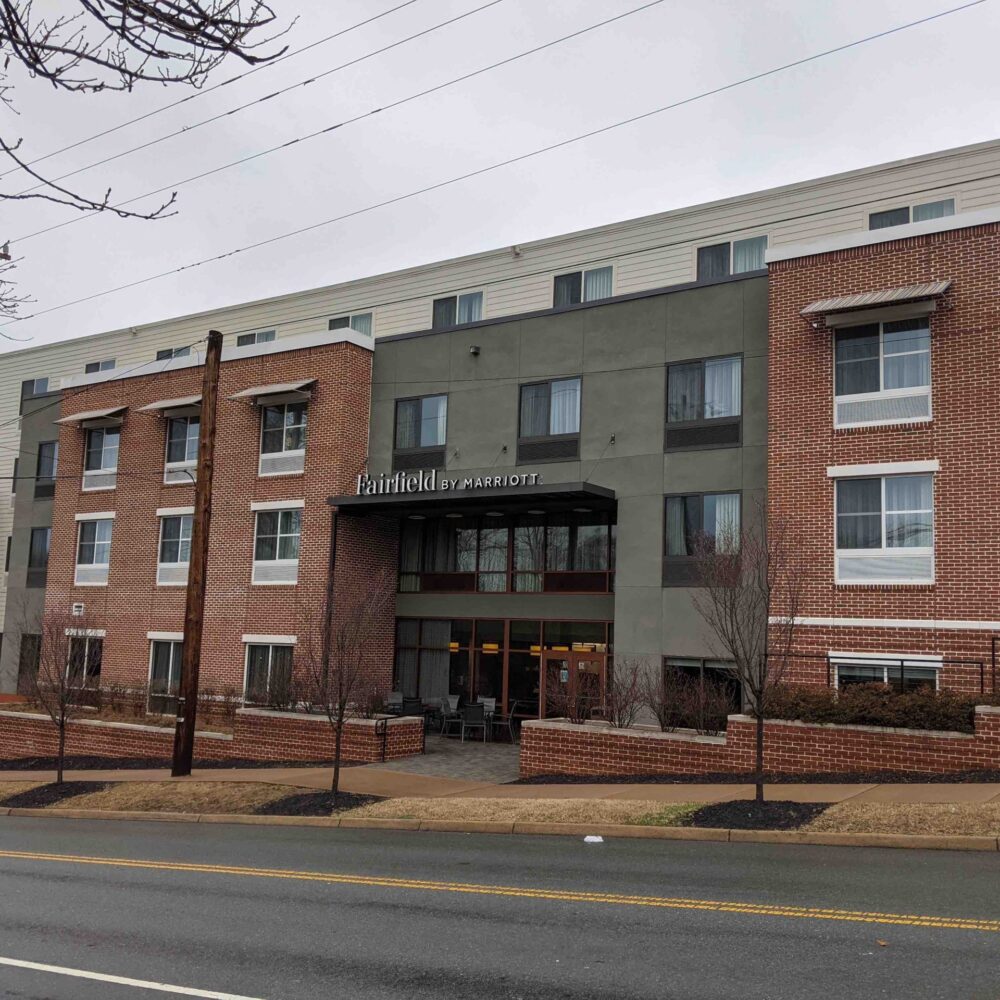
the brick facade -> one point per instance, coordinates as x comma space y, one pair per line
962, 437
132, 603
789, 748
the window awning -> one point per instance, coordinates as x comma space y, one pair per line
171, 404
857, 306
276, 392
110, 415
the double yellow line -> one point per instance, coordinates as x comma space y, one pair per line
521, 892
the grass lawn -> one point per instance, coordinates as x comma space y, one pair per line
975, 819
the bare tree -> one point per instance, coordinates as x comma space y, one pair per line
749, 594
623, 697
339, 658
68, 674
89, 46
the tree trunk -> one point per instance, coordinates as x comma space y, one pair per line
62, 753
338, 737
759, 769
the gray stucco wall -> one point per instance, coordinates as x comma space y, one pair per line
25, 604
621, 350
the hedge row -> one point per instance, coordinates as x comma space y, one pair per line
877, 705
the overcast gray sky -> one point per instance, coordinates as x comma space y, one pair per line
931, 87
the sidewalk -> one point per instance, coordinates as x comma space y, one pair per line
384, 781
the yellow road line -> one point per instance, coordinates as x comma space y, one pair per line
521, 892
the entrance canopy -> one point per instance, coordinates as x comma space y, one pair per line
503, 498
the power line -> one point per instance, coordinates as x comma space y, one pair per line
208, 90
503, 163
267, 97
349, 121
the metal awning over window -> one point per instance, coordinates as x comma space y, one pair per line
165, 405
95, 418
844, 310
278, 392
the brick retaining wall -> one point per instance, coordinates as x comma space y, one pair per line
789, 747
257, 735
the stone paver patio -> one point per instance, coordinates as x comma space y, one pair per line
448, 757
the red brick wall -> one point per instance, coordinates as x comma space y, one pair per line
963, 436
789, 748
132, 604
256, 736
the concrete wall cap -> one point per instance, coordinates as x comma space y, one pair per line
134, 727
606, 730
392, 720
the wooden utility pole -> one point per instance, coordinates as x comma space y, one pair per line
194, 612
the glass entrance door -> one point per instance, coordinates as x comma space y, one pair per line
573, 684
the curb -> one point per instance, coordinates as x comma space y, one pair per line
923, 842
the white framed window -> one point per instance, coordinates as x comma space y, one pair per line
267, 677
585, 285
358, 322
258, 337
166, 353
164, 675
904, 214
175, 549
277, 537
882, 373
181, 462
451, 310
93, 367
93, 552
283, 432
885, 529
83, 665
720, 260
901, 673
100, 461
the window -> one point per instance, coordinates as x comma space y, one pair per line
283, 438
38, 556
694, 522
32, 387
29, 657
100, 463
182, 449
6, 558
46, 469
268, 674
172, 352
549, 410
739, 257
93, 552
14, 477
276, 546
175, 549
421, 432
900, 674
455, 309
885, 529
583, 286
921, 213
99, 366
83, 669
358, 322
882, 373
704, 403
260, 337
164, 676
716, 686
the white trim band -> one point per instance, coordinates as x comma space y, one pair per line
883, 469
87, 633
278, 505
104, 515
165, 636
270, 640
173, 511
863, 659
918, 623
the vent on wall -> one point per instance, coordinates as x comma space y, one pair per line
887, 568
171, 574
426, 458
857, 411
100, 480
717, 434
180, 472
276, 571
78, 609
548, 449
282, 463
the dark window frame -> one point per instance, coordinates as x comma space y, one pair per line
438, 302
578, 295
284, 428
704, 422
431, 456
680, 571
33, 392
572, 454
36, 575
256, 337
104, 365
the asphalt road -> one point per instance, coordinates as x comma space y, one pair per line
274, 913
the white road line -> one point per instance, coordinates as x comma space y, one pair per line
100, 977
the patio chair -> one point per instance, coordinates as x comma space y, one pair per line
490, 704
394, 703
450, 715
504, 723
473, 718
413, 706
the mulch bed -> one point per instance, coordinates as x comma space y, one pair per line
775, 815
48, 795
724, 778
314, 804
149, 763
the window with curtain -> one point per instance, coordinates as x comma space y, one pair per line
705, 390
550, 408
885, 513
84, 666
164, 676
691, 518
268, 673
748, 255
277, 535
175, 538
713, 261
260, 337
586, 285
358, 322
38, 548
182, 439
421, 422
48, 460
94, 544
934, 210
102, 449
92, 367
738, 257
283, 428
452, 310
880, 357
902, 215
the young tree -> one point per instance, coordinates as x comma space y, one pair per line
89, 46
623, 697
339, 659
749, 594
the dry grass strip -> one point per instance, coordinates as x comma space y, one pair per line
181, 796
975, 819
8, 788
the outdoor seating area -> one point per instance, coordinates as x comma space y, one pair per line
449, 716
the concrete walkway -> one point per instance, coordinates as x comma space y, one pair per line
392, 783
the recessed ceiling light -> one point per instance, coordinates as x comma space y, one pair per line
581, 510
494, 513
535, 510
416, 517
453, 515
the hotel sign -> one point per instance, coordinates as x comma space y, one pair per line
429, 481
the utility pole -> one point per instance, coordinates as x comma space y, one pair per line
194, 611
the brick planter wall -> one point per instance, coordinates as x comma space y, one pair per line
257, 735
789, 747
